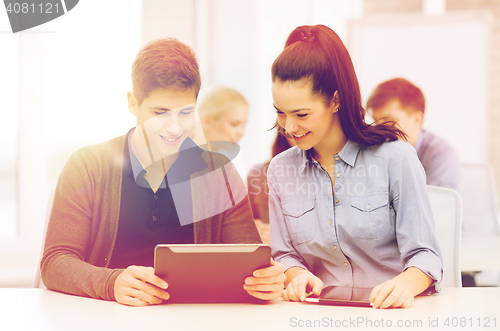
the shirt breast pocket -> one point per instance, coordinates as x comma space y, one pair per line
300, 219
370, 216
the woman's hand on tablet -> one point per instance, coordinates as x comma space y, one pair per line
391, 294
300, 281
401, 290
139, 286
266, 283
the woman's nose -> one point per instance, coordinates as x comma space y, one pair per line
290, 126
241, 132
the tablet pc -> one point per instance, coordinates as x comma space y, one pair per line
209, 273
343, 296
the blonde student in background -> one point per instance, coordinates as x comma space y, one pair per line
348, 205
223, 113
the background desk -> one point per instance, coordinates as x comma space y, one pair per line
37, 309
480, 253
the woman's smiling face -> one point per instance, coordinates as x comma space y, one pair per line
304, 116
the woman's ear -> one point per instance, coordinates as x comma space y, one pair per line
335, 102
205, 122
133, 105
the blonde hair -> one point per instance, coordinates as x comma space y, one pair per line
218, 100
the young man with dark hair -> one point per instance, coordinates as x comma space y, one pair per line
115, 201
402, 101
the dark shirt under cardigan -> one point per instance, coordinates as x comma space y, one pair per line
150, 218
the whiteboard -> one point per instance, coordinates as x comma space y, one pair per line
446, 56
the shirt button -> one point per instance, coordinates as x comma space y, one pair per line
337, 201
297, 212
335, 247
331, 222
368, 207
347, 286
155, 218
336, 158
338, 175
156, 197
346, 264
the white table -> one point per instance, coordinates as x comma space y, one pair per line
37, 309
480, 253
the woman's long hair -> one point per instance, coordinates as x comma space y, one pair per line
317, 53
280, 143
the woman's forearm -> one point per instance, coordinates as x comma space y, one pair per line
415, 280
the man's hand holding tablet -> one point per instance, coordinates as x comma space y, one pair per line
139, 286
267, 283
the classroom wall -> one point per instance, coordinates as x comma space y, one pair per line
494, 7
236, 43
391, 6
416, 6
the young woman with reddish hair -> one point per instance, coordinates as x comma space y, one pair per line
348, 205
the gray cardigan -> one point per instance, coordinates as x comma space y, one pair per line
84, 220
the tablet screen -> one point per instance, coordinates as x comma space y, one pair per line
209, 273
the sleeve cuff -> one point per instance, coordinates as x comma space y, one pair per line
110, 288
430, 265
289, 262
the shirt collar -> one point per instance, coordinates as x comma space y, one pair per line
348, 154
134, 166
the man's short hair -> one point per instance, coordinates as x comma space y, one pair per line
409, 96
167, 64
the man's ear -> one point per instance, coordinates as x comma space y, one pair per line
133, 105
419, 117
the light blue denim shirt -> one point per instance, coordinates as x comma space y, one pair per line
372, 225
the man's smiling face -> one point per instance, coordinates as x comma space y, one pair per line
167, 117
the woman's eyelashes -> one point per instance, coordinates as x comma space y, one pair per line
280, 113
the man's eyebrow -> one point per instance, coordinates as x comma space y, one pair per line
167, 109
293, 111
